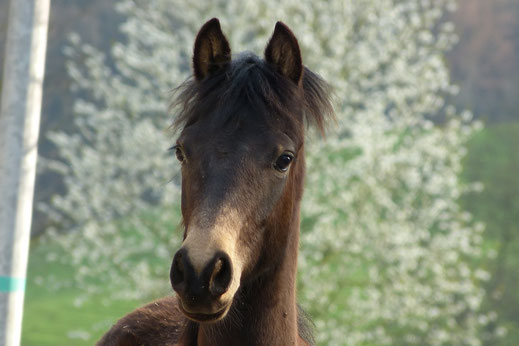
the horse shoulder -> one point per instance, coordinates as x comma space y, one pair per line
157, 323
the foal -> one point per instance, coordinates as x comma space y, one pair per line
242, 158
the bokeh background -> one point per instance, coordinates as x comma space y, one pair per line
410, 220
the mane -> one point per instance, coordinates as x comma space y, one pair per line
305, 326
252, 84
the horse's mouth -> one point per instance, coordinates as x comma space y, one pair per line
202, 317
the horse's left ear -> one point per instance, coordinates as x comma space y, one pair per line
212, 50
283, 52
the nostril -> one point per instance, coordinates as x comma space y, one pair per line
177, 270
220, 277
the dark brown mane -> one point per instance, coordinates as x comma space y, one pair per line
251, 83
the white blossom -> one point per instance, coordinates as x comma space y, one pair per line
386, 250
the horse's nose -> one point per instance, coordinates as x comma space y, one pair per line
209, 280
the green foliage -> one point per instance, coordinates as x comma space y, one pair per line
493, 161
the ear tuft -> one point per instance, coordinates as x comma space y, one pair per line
283, 52
212, 51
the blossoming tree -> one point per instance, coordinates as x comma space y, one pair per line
386, 250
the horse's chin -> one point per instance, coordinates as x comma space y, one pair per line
206, 317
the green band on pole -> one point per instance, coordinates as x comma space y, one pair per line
11, 284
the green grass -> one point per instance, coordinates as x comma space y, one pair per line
51, 317
54, 320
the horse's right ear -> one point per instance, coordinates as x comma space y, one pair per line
212, 51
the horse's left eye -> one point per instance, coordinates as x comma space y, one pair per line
283, 162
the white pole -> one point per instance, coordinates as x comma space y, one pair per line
19, 126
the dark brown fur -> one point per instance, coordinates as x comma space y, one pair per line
231, 116
161, 323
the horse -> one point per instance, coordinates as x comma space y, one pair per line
242, 125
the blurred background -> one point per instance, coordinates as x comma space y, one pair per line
411, 211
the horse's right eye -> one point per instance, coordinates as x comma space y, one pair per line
179, 154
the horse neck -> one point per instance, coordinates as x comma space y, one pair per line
266, 311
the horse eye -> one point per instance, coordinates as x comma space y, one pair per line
283, 162
179, 154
